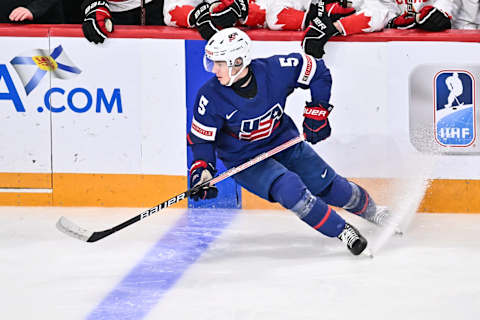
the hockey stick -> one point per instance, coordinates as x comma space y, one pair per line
69, 228
143, 13
456, 99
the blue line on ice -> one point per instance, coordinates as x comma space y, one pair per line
143, 287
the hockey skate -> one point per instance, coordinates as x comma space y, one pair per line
355, 242
383, 217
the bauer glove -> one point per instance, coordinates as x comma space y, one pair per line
316, 36
315, 123
402, 22
200, 172
226, 13
98, 22
433, 19
200, 19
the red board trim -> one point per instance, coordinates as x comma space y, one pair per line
159, 32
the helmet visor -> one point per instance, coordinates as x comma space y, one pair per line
208, 64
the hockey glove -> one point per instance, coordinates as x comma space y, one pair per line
200, 19
317, 35
402, 22
433, 19
98, 22
201, 172
227, 12
315, 125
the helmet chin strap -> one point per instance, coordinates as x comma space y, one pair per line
234, 77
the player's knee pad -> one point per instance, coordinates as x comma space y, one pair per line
288, 189
360, 202
338, 192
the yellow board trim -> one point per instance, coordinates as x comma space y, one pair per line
26, 180
133, 190
97, 190
25, 199
452, 196
442, 195
116, 190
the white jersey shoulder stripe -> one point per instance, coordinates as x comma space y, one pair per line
309, 67
202, 131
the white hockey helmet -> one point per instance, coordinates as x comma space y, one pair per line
231, 45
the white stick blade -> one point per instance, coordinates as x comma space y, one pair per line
69, 228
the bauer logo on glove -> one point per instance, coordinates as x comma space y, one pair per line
316, 126
97, 23
317, 35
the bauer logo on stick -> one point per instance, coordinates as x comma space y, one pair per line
454, 108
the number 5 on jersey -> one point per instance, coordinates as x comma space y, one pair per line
202, 105
288, 62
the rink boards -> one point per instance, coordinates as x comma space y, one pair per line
86, 125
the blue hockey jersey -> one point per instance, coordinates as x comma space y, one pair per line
240, 128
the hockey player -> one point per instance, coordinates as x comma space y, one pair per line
101, 15
213, 15
240, 113
324, 20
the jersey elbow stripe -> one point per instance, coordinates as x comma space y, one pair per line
189, 139
309, 67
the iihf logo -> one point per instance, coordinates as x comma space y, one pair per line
454, 108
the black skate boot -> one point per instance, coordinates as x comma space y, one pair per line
355, 242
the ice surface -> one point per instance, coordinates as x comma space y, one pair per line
222, 264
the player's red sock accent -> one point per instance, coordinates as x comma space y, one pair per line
290, 19
325, 218
355, 23
367, 200
180, 15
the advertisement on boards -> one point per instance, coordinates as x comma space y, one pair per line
93, 109
443, 109
24, 80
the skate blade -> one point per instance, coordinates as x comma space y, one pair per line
367, 253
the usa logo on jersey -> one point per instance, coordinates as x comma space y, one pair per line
454, 108
261, 127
